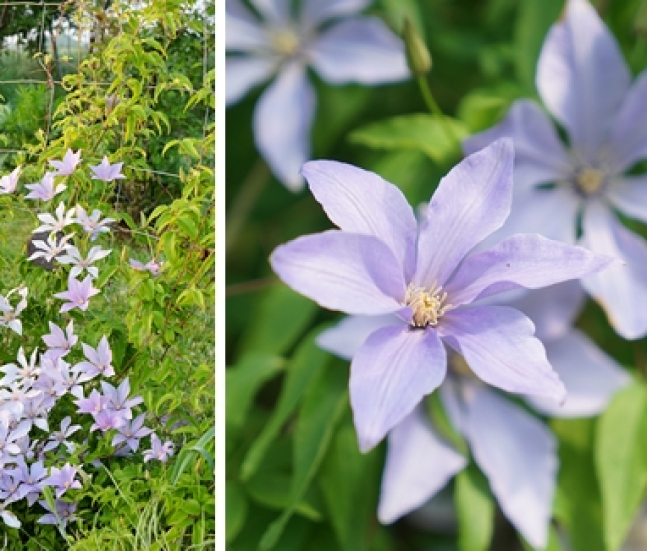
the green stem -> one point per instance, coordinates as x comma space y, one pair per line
433, 107
242, 205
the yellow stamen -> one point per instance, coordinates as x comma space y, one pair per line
427, 305
285, 42
589, 180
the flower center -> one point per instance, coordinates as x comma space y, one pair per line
285, 42
427, 304
589, 181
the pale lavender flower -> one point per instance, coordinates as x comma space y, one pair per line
26, 374
68, 164
73, 256
586, 85
9, 314
98, 361
78, 294
514, 449
45, 190
158, 451
92, 224
151, 266
107, 172
107, 419
63, 479
60, 438
117, 398
131, 433
59, 343
51, 248
57, 224
35, 412
31, 477
352, 49
381, 262
64, 512
8, 183
93, 404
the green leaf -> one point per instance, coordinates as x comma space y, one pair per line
441, 421
533, 21
236, 506
273, 490
621, 461
577, 497
243, 381
475, 509
325, 400
308, 360
349, 482
398, 10
290, 314
439, 139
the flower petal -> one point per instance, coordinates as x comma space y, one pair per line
418, 464
243, 73
523, 260
353, 273
315, 12
582, 76
282, 121
628, 137
629, 195
518, 455
276, 11
393, 370
243, 32
360, 201
361, 50
590, 376
539, 155
619, 289
497, 343
346, 338
471, 202
549, 212
553, 309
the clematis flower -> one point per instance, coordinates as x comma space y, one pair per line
51, 248
55, 225
78, 294
152, 266
8, 183
158, 451
107, 172
45, 190
68, 164
92, 224
9, 314
73, 256
356, 49
514, 449
586, 86
381, 262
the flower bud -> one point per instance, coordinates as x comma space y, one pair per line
418, 56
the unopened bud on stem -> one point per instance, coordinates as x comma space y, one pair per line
418, 57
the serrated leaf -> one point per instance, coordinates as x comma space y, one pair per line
439, 139
475, 509
620, 461
307, 361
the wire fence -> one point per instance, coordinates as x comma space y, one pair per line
50, 40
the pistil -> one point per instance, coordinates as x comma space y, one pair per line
589, 181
